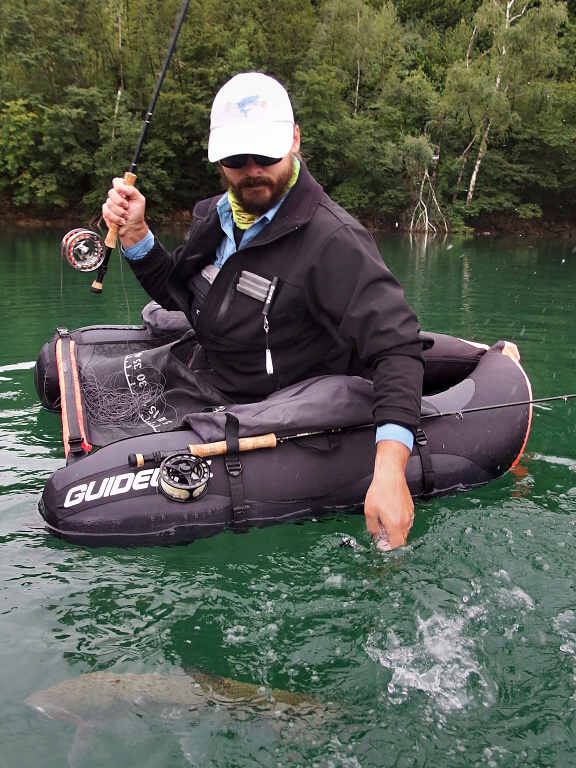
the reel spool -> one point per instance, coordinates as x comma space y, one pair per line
184, 477
83, 250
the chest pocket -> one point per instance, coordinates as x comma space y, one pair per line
220, 292
199, 286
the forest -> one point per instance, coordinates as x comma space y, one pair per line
421, 115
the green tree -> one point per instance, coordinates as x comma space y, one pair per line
513, 54
407, 108
442, 14
50, 45
342, 101
18, 136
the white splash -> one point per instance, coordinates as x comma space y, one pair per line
442, 663
446, 658
565, 625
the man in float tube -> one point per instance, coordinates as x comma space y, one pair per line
281, 284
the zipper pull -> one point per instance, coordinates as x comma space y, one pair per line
265, 312
269, 365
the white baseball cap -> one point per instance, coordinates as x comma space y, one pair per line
251, 114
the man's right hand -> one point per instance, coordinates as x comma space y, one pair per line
125, 207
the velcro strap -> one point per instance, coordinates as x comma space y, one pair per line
421, 443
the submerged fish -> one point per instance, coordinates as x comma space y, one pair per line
99, 695
92, 698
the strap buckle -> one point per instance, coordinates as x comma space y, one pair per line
76, 443
421, 437
233, 465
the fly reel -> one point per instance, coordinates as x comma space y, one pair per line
83, 250
184, 477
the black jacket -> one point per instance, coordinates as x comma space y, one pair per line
336, 309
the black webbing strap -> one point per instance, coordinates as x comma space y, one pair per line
421, 443
234, 470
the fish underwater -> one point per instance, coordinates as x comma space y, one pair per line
92, 699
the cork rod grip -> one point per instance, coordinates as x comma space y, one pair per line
245, 443
112, 236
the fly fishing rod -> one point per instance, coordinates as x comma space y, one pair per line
130, 176
270, 440
220, 448
493, 407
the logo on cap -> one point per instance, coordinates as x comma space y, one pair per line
246, 104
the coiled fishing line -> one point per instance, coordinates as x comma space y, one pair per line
109, 404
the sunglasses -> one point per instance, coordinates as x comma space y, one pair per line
239, 161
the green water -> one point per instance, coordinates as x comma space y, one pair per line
458, 650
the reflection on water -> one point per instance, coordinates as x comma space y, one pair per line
457, 650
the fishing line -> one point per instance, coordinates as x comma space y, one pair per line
108, 404
113, 139
84, 250
123, 284
120, 86
62, 302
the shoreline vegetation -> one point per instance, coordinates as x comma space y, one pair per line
180, 219
420, 116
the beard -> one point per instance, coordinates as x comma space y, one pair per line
258, 195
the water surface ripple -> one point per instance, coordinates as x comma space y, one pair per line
458, 650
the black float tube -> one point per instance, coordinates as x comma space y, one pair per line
130, 176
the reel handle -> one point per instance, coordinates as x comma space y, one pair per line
110, 242
136, 460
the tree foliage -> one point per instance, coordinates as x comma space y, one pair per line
433, 112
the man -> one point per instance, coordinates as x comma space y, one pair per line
281, 284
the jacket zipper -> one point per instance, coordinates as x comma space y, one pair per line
225, 305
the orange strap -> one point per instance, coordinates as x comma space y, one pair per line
73, 431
